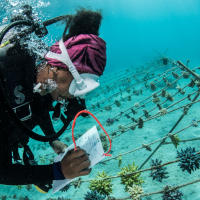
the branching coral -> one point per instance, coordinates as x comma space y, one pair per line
169, 97
140, 123
185, 75
103, 187
104, 142
146, 114
155, 95
158, 173
114, 133
133, 127
119, 158
137, 105
77, 183
197, 82
122, 128
127, 116
180, 90
189, 159
165, 79
108, 108
66, 188
175, 75
98, 105
147, 147
156, 100
159, 106
93, 106
165, 60
135, 191
129, 98
136, 92
133, 119
170, 194
191, 84
133, 111
128, 90
117, 103
163, 111
194, 123
129, 180
152, 86
110, 121
175, 139
121, 113
163, 93
94, 195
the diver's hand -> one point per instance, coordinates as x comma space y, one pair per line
75, 163
58, 146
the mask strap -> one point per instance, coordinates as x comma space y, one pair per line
64, 58
73, 125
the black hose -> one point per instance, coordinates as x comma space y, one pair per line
10, 26
24, 128
54, 20
29, 23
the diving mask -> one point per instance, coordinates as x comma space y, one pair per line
82, 83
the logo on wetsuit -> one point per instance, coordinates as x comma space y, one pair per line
18, 93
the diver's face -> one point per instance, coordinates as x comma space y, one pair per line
62, 78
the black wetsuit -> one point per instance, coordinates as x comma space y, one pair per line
10, 135
17, 174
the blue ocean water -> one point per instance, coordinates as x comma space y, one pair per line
139, 35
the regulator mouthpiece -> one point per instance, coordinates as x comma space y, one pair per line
49, 86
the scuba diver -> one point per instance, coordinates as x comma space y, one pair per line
68, 72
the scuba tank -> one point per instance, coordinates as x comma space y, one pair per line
18, 77
18, 72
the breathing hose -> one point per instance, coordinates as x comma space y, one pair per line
54, 20
12, 25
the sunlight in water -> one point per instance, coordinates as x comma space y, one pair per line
148, 100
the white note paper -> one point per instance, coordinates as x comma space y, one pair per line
91, 143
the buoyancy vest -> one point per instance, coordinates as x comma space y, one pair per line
17, 69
